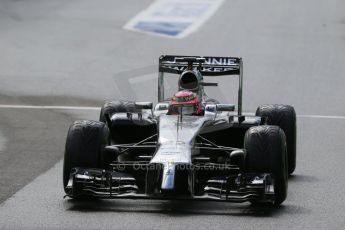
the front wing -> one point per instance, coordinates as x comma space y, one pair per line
118, 185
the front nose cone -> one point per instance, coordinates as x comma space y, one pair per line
168, 176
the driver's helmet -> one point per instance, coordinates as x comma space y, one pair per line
185, 102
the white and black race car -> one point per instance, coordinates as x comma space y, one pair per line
140, 151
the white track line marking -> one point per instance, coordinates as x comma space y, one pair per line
321, 116
309, 116
61, 107
49, 107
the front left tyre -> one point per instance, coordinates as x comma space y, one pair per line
266, 153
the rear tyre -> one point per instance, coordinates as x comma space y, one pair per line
283, 116
111, 107
122, 129
84, 146
266, 153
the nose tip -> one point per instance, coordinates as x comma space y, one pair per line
168, 177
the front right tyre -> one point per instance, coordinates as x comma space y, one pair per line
84, 147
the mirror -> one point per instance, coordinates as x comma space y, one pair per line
143, 105
225, 107
162, 106
210, 108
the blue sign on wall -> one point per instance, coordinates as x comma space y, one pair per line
173, 18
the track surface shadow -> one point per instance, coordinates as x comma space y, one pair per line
174, 208
303, 178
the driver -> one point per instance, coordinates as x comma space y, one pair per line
185, 102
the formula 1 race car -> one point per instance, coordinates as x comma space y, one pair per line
188, 147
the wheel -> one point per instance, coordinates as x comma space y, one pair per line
84, 146
122, 132
111, 107
283, 116
266, 153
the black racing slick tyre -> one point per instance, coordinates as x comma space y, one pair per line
266, 153
283, 116
84, 146
111, 107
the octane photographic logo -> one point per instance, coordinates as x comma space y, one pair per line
173, 18
188, 167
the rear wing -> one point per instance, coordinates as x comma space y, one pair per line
213, 66
207, 66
